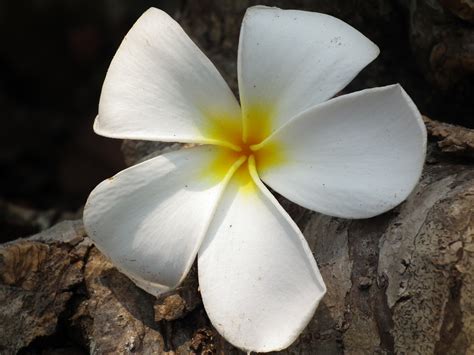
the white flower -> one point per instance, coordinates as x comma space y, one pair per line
354, 156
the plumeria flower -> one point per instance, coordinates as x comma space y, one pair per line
352, 156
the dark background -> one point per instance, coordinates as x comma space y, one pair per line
54, 55
53, 58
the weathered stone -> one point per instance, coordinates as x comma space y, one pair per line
116, 317
451, 138
38, 277
442, 43
170, 308
464, 9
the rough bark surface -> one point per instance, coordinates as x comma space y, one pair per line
402, 282
451, 139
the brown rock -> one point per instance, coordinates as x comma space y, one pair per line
170, 308
451, 138
116, 317
179, 302
464, 9
37, 279
443, 43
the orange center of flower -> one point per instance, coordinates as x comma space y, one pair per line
243, 137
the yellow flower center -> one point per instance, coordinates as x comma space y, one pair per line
242, 138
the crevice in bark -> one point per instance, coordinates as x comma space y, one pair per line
383, 316
367, 299
452, 318
65, 337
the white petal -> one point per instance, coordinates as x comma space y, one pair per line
150, 219
354, 156
259, 281
160, 86
290, 60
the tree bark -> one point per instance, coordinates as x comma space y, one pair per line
402, 282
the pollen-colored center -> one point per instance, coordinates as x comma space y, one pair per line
242, 138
